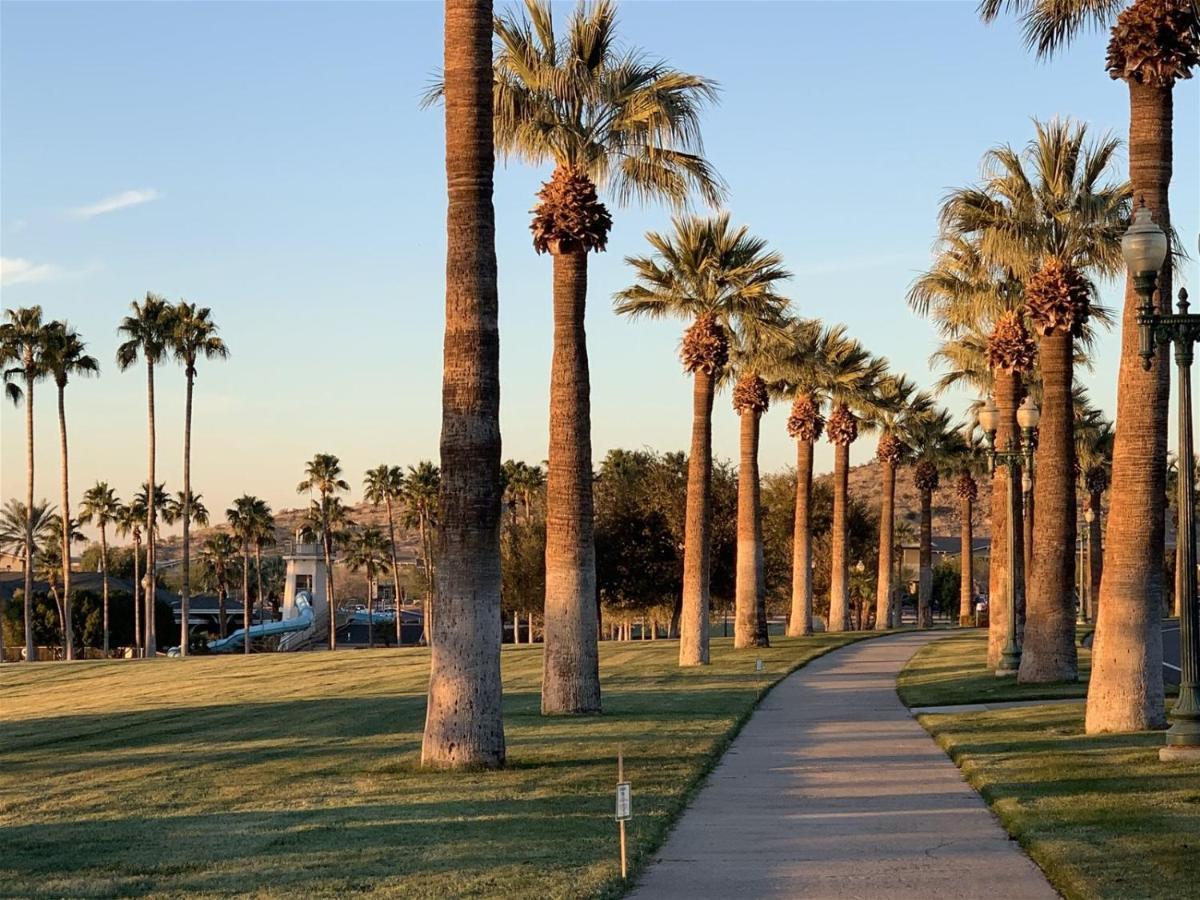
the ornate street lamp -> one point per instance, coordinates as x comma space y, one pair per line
1144, 247
1020, 455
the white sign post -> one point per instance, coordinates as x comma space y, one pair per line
624, 807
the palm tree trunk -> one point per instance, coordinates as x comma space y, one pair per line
1095, 555
185, 585
246, 602
395, 567
925, 562
800, 621
1049, 653
104, 581
749, 620
966, 587
137, 599
428, 569
463, 723
222, 618
697, 531
327, 553
151, 520
839, 578
258, 577
887, 537
571, 662
30, 551
1008, 390
1126, 689
68, 625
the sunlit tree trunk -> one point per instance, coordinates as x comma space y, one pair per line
750, 615
186, 578
693, 625
30, 550
68, 624
1008, 391
925, 571
887, 538
839, 587
800, 622
151, 593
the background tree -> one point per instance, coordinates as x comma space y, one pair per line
422, 498
101, 507
723, 280
147, 333
463, 721
936, 444
129, 523
193, 336
22, 344
367, 552
242, 521
323, 474
218, 557
384, 484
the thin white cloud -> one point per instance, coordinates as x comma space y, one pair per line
14, 270
123, 200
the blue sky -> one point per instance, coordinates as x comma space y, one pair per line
271, 160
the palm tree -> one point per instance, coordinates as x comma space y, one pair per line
1046, 217
605, 117
64, 355
1093, 448
102, 508
1153, 44
147, 335
968, 463
421, 496
385, 484
367, 553
244, 520
46, 532
193, 336
521, 482
901, 405
722, 279
463, 722
323, 474
853, 402
22, 344
262, 531
129, 522
935, 444
218, 554
50, 567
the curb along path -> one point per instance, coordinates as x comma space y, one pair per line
832, 790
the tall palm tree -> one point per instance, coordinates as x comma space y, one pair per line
194, 336
1048, 216
605, 117
463, 722
140, 504
218, 555
22, 344
901, 405
64, 355
1153, 44
129, 523
422, 496
854, 403
722, 279
385, 484
147, 333
262, 532
323, 474
969, 464
367, 553
101, 507
242, 519
935, 444
50, 567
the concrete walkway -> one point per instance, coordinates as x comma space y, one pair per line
834, 791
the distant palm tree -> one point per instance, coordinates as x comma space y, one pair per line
464, 725
147, 333
421, 494
22, 343
384, 484
604, 117
14, 520
50, 567
193, 336
64, 355
970, 462
722, 279
102, 508
521, 482
323, 474
244, 520
367, 553
218, 555
936, 444
129, 522
262, 536
1094, 437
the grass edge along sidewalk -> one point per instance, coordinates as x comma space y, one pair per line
1099, 814
297, 774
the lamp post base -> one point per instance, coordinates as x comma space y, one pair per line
1179, 753
1006, 673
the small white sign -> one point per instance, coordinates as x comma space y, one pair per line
624, 801
758, 665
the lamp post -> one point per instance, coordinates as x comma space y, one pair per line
1145, 247
1081, 570
1089, 516
1020, 455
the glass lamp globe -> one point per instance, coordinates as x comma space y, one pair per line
1028, 415
1144, 245
989, 416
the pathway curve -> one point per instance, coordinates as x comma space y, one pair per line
833, 790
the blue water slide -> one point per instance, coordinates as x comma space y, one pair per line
301, 621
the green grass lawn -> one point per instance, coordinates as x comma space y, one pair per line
297, 774
1101, 815
954, 670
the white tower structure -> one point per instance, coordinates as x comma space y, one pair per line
305, 573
